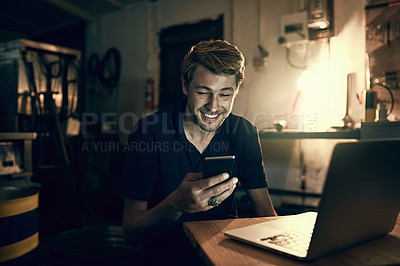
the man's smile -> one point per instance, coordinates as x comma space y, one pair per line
210, 117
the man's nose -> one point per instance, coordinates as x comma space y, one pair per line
212, 104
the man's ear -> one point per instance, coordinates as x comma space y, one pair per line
184, 87
238, 89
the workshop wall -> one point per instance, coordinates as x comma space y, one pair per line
269, 91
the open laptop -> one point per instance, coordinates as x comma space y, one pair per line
360, 201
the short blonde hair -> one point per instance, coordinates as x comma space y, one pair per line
218, 56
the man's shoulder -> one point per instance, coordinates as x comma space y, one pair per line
241, 119
159, 120
168, 112
155, 116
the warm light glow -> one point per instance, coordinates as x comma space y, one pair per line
305, 81
322, 87
312, 86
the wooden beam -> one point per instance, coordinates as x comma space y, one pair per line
116, 3
77, 11
21, 22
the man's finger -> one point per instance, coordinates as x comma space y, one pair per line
194, 176
209, 182
224, 193
222, 187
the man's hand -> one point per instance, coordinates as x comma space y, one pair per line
191, 196
194, 192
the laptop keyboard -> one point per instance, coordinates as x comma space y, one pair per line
297, 239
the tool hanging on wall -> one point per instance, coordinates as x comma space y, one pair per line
30, 74
107, 71
110, 68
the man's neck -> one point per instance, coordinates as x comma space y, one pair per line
194, 133
197, 136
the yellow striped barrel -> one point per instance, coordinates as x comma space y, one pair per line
19, 225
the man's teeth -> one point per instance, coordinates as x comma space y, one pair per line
211, 116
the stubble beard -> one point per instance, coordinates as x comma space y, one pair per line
204, 125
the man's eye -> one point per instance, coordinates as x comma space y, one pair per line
225, 95
202, 92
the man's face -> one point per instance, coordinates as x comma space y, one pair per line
210, 98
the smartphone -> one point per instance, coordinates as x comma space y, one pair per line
218, 165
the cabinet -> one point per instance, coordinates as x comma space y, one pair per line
16, 158
380, 130
383, 47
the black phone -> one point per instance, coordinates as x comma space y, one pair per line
218, 165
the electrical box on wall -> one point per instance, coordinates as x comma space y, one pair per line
314, 21
320, 19
294, 27
318, 15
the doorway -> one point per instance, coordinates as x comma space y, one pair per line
175, 42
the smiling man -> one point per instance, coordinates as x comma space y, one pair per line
211, 98
163, 185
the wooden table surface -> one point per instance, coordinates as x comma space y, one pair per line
216, 249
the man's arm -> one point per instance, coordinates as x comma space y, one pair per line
141, 224
138, 220
261, 202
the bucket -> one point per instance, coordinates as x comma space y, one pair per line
19, 225
93, 245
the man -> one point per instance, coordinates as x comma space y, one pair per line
163, 184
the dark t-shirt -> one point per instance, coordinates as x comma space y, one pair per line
158, 156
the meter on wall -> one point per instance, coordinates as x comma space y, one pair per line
313, 21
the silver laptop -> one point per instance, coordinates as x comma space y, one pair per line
360, 201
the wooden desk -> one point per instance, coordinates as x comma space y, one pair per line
216, 249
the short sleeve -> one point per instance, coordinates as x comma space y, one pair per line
252, 173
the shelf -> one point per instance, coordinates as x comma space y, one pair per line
288, 134
18, 135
